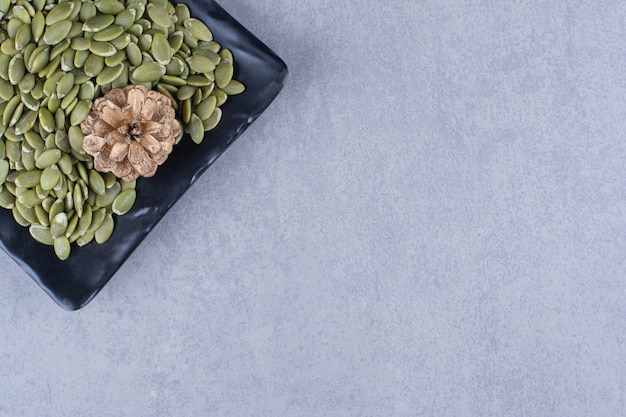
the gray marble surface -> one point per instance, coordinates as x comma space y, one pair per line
430, 220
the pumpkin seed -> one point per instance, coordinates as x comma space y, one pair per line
108, 34
41, 234
23, 37
16, 116
94, 65
58, 49
205, 109
61, 141
234, 87
50, 177
27, 83
198, 29
148, 72
39, 59
19, 219
47, 158
58, 225
84, 220
21, 13
160, 49
80, 44
59, 12
26, 122
158, 15
109, 195
66, 83
62, 248
212, 121
80, 112
57, 32
196, 130
102, 49
105, 230
6, 90
223, 73
109, 74
16, 69
4, 170
87, 11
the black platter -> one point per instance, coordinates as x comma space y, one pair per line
74, 282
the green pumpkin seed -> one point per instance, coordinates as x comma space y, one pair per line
158, 15
28, 213
58, 49
87, 91
234, 87
126, 18
59, 12
6, 90
27, 83
41, 214
62, 248
46, 120
70, 100
85, 219
102, 49
66, 83
80, 44
198, 81
212, 121
186, 110
122, 80
50, 177
19, 219
108, 196
196, 130
87, 11
47, 158
188, 38
85, 239
51, 68
4, 7
205, 109
80, 112
105, 230
58, 225
109, 6
4, 66
21, 13
17, 69
98, 23
185, 92
4, 170
134, 54
176, 40
28, 179
23, 37
174, 81
57, 32
17, 114
41, 234
223, 73
198, 29
96, 182
109, 74
39, 59
34, 140
26, 122
67, 60
94, 65
61, 141
160, 49
148, 72
8, 47
145, 42
7, 200
58, 206
30, 199
109, 33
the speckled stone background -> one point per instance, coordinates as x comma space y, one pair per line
430, 220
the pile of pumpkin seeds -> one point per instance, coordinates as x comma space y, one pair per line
56, 58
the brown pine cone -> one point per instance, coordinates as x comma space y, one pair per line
130, 132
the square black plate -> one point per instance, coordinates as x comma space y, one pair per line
74, 282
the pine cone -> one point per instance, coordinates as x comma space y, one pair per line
130, 132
